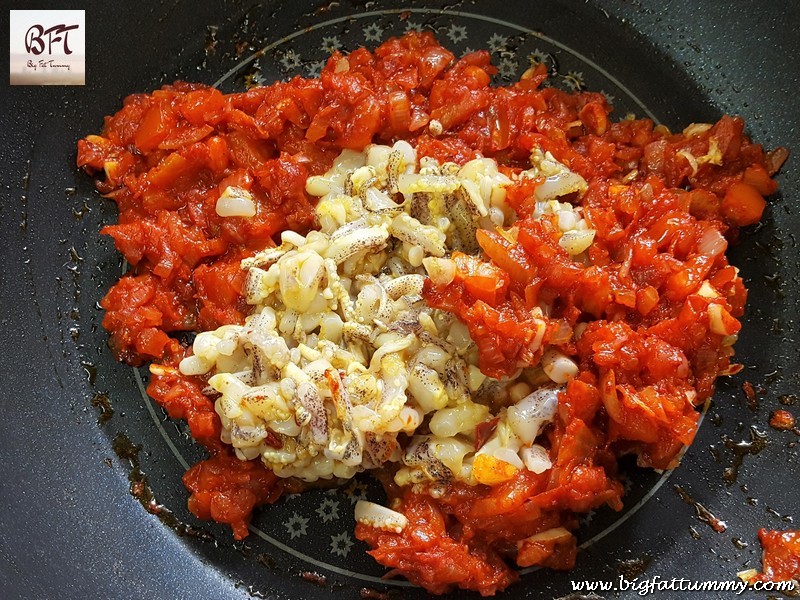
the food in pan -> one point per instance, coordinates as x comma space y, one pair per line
484, 295
780, 558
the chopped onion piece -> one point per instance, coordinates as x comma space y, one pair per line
509, 456
695, 129
567, 219
707, 291
747, 574
690, 159
712, 243
551, 534
342, 65
719, 320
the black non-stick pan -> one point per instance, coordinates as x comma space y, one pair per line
76, 430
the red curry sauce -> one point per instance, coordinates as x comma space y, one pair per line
663, 206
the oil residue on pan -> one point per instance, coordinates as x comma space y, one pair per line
141, 490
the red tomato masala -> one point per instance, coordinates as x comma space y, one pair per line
654, 309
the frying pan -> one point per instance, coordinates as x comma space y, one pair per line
70, 527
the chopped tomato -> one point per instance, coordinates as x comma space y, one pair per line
482, 280
647, 312
743, 204
227, 489
156, 124
430, 556
509, 257
781, 558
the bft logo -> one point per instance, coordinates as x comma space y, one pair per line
48, 47
35, 41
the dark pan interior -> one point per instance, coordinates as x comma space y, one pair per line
69, 526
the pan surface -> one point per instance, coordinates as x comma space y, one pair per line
69, 526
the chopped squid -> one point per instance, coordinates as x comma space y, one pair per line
340, 355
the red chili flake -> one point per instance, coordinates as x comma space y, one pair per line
333, 382
750, 393
483, 431
272, 440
